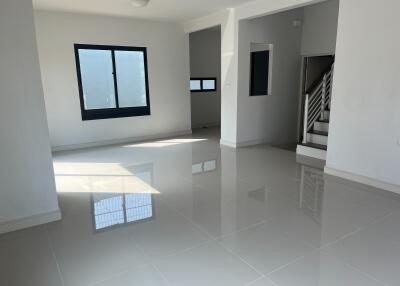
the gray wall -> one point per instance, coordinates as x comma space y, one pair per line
270, 118
320, 28
205, 61
27, 185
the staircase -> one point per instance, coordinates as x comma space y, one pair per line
316, 119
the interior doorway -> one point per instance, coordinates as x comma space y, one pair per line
314, 68
205, 75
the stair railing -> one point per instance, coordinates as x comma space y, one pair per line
316, 102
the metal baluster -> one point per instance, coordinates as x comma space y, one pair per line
323, 97
305, 119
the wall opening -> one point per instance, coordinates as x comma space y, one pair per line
205, 75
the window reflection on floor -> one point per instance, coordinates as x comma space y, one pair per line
202, 167
118, 209
311, 192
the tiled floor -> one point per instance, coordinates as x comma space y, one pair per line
185, 211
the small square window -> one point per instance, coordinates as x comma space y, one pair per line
203, 84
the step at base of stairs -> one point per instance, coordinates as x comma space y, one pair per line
312, 150
317, 137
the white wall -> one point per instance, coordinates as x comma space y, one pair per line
364, 136
27, 185
320, 28
168, 65
271, 118
205, 61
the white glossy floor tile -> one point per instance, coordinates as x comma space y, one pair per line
265, 247
320, 269
187, 211
209, 264
166, 233
141, 276
26, 259
373, 253
86, 255
265, 281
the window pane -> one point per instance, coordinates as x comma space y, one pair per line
108, 210
97, 79
208, 84
259, 73
195, 85
210, 165
131, 78
138, 207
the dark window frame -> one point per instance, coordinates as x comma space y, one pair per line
201, 79
117, 112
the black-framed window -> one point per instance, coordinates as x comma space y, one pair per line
259, 73
113, 81
203, 84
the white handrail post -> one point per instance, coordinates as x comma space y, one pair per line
330, 91
305, 119
323, 97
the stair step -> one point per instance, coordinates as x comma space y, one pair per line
317, 146
319, 132
321, 126
323, 120
313, 137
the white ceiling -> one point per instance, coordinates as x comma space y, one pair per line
166, 10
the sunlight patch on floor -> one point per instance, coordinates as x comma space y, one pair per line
103, 184
164, 143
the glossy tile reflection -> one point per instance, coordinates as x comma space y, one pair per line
111, 210
185, 211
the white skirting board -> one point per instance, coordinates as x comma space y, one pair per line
362, 180
227, 143
121, 141
241, 144
34, 220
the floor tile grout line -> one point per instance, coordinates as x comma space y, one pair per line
195, 225
181, 251
255, 280
217, 239
265, 277
54, 256
150, 260
355, 231
113, 276
347, 235
365, 274
224, 235
240, 258
121, 272
161, 274
293, 261
243, 229
220, 244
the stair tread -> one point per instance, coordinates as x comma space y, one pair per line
315, 145
323, 120
323, 133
